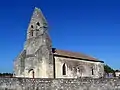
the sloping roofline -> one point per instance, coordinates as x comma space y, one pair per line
74, 55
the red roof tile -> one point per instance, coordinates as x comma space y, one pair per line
73, 54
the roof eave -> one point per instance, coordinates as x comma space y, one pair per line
77, 58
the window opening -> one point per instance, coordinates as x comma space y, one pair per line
92, 71
38, 23
31, 26
64, 69
31, 32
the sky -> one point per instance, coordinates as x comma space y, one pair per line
87, 26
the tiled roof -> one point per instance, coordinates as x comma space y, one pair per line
73, 54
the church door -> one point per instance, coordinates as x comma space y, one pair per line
31, 73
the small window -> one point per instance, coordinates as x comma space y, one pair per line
31, 26
38, 23
31, 32
64, 69
92, 71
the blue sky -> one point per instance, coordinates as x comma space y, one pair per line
88, 26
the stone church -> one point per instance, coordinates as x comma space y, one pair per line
39, 59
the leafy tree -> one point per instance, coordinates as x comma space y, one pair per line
108, 69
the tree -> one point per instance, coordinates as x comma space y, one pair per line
6, 74
108, 70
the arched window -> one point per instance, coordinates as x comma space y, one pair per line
38, 23
37, 26
64, 69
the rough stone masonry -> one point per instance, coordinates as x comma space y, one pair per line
36, 68
39, 60
59, 84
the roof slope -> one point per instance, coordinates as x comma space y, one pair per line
74, 55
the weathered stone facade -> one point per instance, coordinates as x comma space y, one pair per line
78, 68
38, 60
59, 84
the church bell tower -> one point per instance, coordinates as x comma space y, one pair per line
38, 61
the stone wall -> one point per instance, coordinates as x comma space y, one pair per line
78, 68
59, 84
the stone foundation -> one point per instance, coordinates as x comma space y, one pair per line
59, 84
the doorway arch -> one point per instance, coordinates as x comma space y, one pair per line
31, 73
